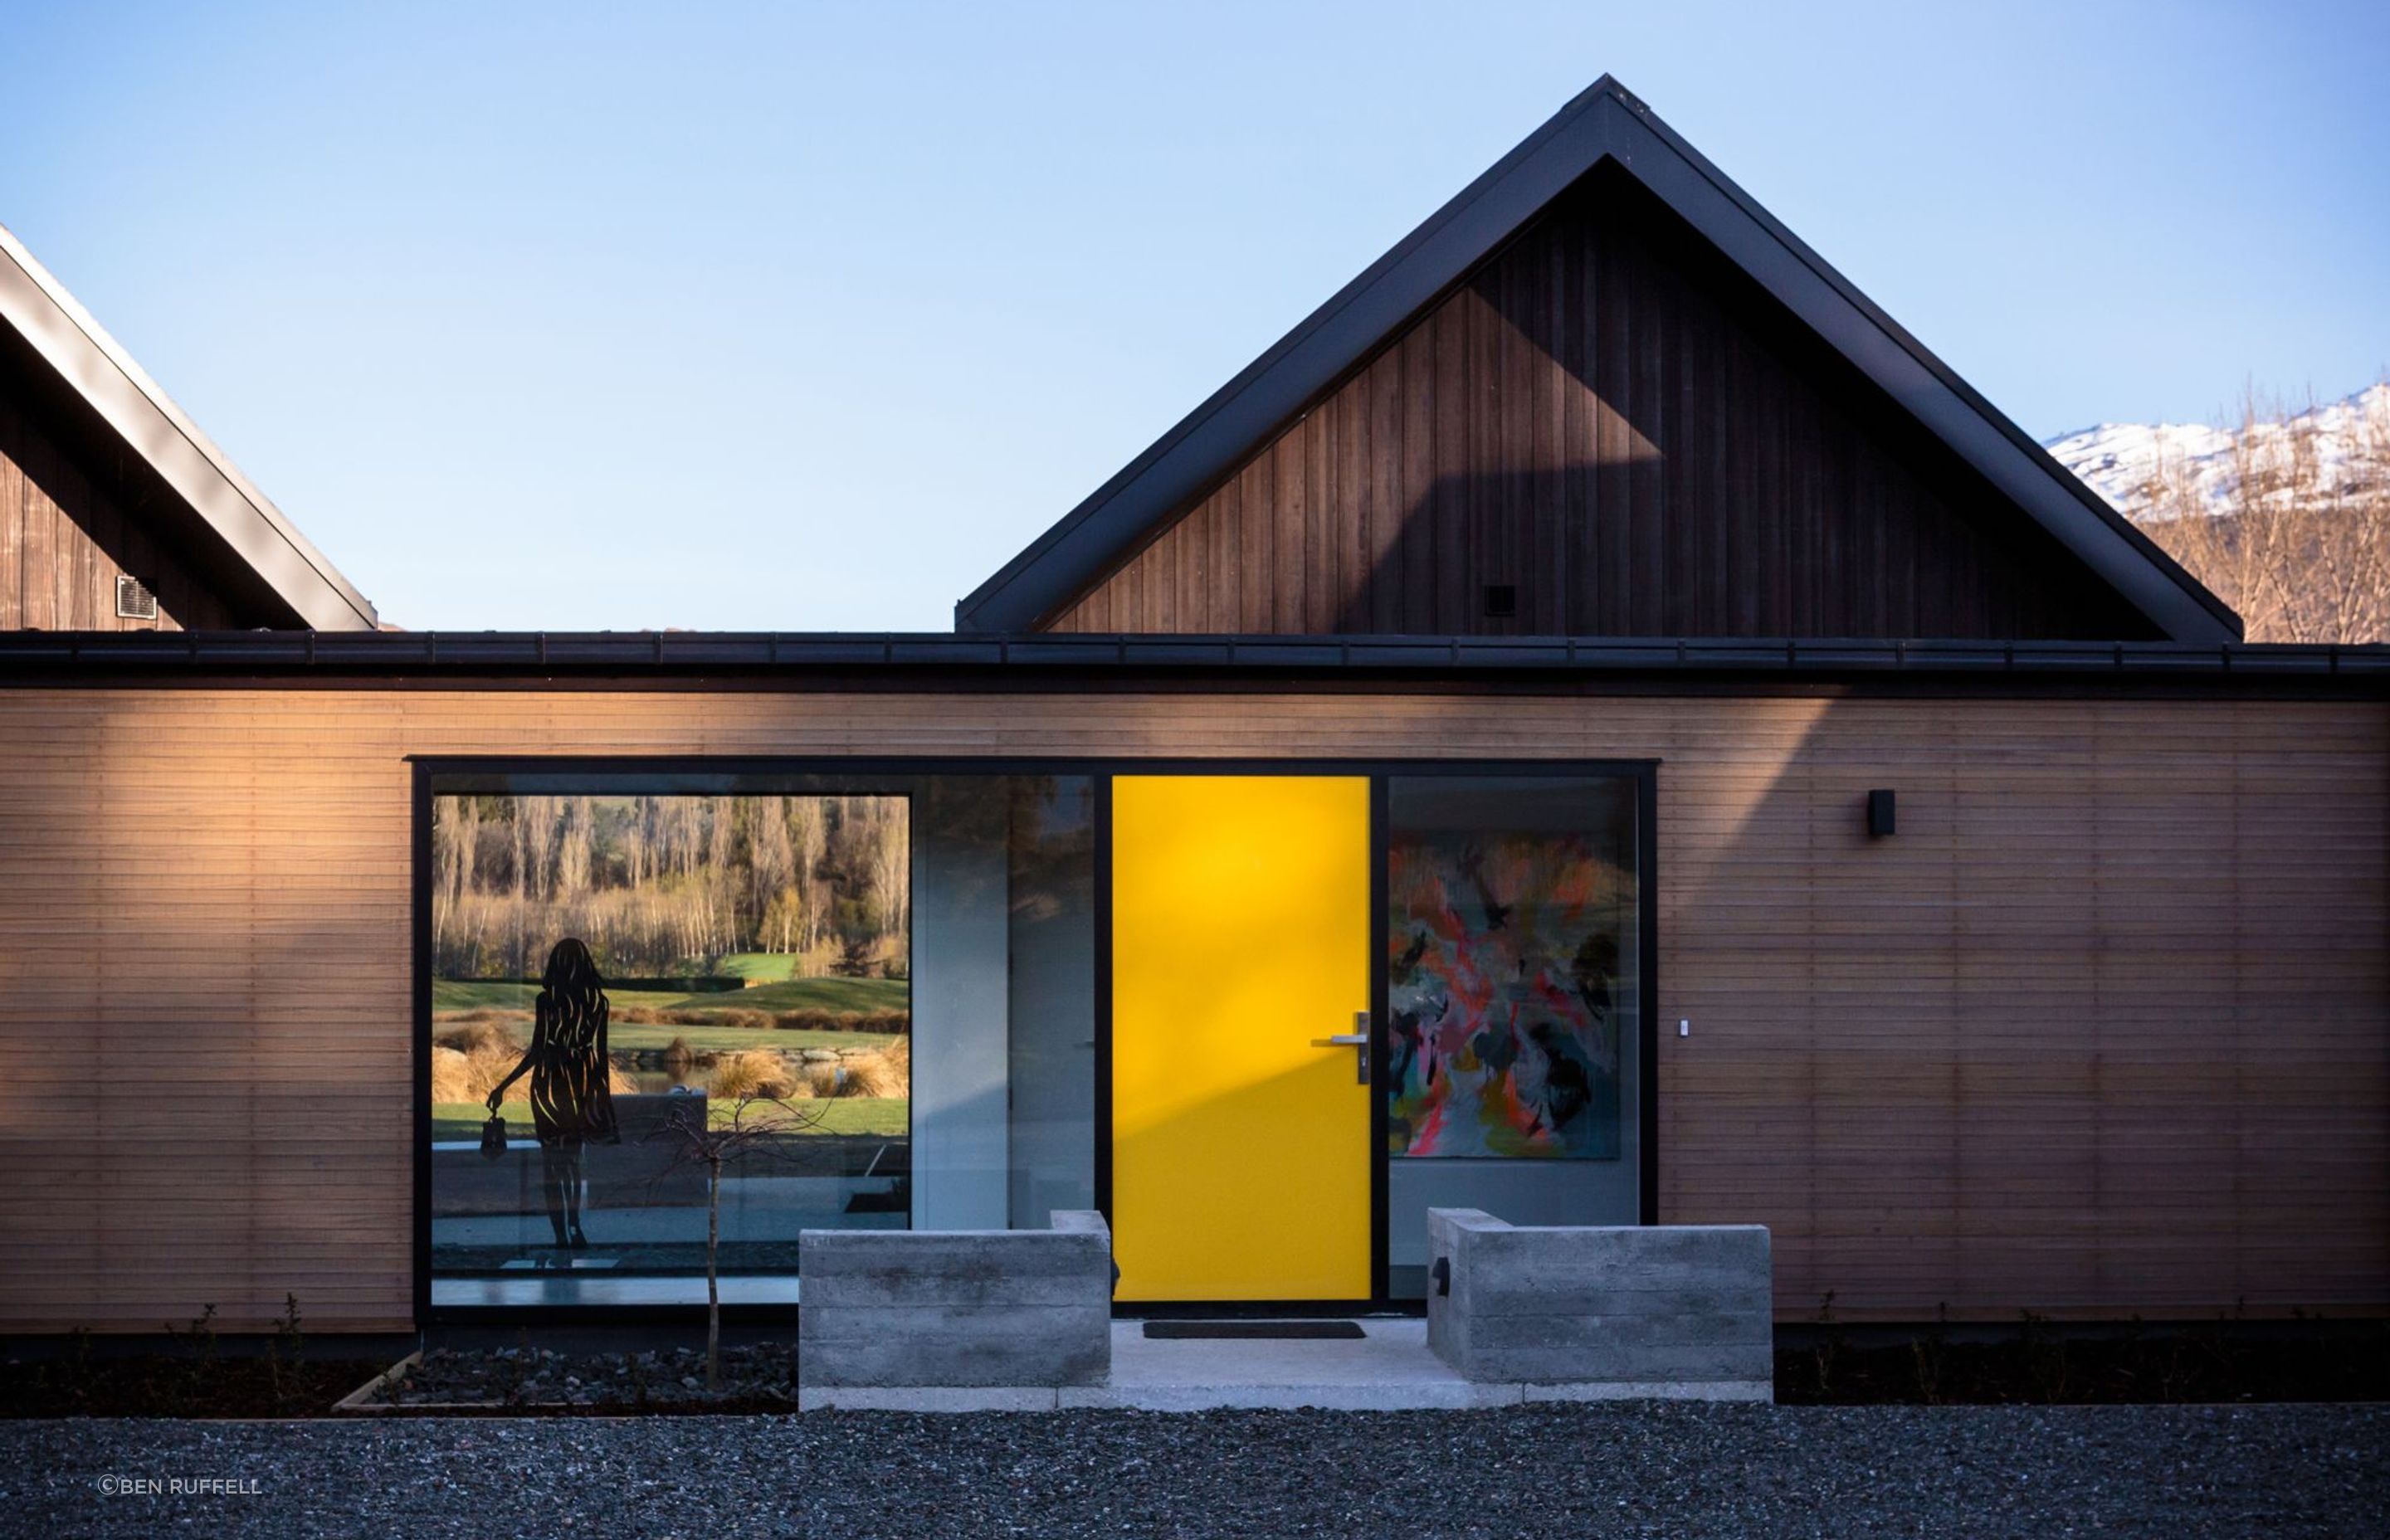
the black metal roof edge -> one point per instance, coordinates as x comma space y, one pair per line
419, 654
1604, 121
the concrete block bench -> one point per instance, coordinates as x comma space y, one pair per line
1678, 1311
966, 1319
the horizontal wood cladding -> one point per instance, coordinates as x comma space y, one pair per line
1614, 426
65, 538
2103, 1029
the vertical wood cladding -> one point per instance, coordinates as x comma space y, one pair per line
65, 538
2103, 1029
1610, 420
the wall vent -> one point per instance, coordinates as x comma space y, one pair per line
134, 600
1501, 602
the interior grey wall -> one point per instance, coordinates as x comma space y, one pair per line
1053, 1003
961, 900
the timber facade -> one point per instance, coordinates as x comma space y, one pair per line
1597, 725
2100, 1032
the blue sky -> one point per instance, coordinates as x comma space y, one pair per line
807, 317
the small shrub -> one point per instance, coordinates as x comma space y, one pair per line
198, 1341
449, 1082
843, 1020
2221, 1346
2046, 1367
79, 1369
469, 1034
752, 1072
1926, 1357
480, 1020
2174, 1368
1830, 1345
469, 1076
286, 1350
881, 1072
868, 1075
889, 1072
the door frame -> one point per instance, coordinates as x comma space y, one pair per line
422, 769
1643, 772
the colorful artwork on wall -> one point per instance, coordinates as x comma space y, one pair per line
1504, 957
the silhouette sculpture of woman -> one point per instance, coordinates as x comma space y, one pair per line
572, 1094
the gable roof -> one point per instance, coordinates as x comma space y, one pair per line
1604, 123
227, 511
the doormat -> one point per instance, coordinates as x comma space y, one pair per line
1254, 1328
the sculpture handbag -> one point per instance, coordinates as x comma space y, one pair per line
494, 1138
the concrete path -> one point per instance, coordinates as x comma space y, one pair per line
1389, 1370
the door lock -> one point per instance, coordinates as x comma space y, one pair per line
1358, 1040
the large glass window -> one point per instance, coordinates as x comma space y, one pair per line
1513, 1001
871, 999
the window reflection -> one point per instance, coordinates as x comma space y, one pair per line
624, 969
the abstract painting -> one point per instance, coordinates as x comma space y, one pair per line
1504, 992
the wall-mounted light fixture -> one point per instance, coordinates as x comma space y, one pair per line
1879, 819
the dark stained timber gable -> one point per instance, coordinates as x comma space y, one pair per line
1459, 406
75, 515
102, 477
1618, 427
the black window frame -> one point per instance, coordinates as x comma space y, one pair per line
427, 769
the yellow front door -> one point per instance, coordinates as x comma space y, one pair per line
1240, 934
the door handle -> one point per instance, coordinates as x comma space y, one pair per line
1358, 1040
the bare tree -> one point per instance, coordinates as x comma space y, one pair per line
696, 1140
574, 846
808, 839
2300, 544
892, 855
655, 882
771, 863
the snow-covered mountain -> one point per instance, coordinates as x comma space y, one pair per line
2122, 460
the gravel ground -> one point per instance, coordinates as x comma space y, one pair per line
756, 1373
2174, 1472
